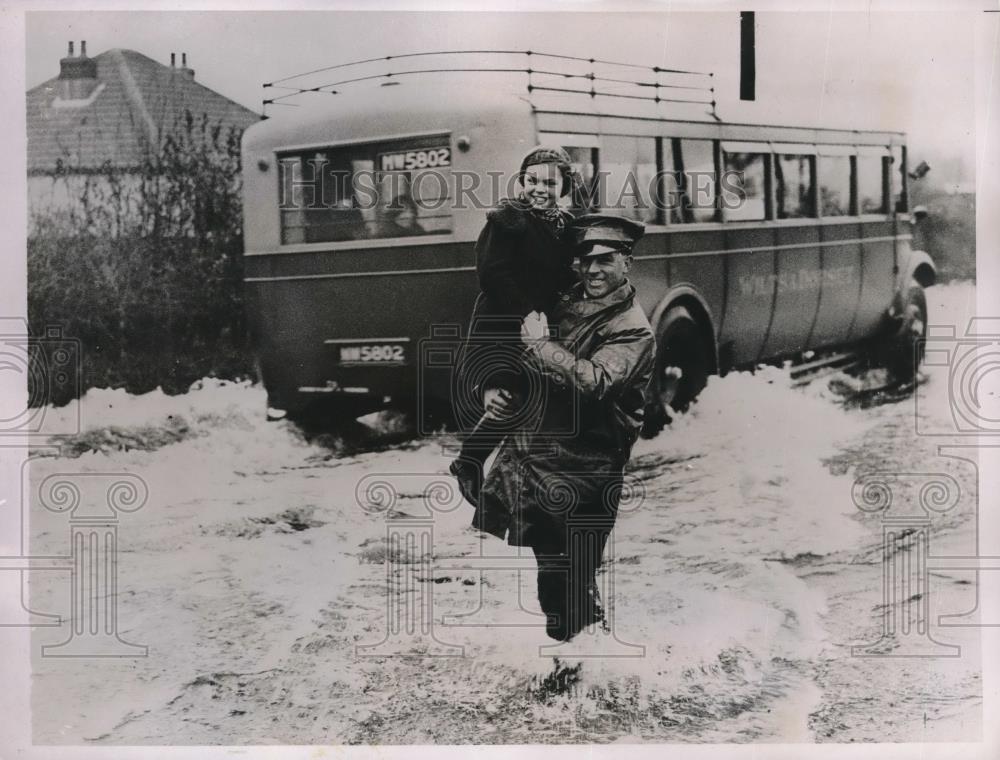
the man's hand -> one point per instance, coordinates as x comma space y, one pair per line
499, 403
534, 327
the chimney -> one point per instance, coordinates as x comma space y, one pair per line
173, 60
189, 73
77, 75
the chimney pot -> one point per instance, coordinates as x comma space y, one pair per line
70, 53
83, 48
184, 60
173, 59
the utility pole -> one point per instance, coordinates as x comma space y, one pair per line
748, 57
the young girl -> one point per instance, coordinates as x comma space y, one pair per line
523, 263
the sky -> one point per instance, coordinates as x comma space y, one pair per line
909, 71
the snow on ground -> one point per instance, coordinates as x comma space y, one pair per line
256, 575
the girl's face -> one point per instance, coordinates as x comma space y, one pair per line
542, 183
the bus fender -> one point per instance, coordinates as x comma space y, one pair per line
685, 294
918, 266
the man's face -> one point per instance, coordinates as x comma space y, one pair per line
603, 272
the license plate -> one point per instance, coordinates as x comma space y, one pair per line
373, 353
415, 159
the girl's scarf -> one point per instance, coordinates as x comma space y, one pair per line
554, 217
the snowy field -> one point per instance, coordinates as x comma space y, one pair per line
741, 573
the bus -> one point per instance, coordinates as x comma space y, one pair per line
763, 241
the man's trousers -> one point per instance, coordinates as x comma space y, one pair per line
567, 578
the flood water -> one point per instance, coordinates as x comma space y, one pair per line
741, 573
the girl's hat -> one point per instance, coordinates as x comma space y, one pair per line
546, 154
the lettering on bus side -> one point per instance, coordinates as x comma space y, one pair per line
790, 282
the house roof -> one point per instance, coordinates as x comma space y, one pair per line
135, 101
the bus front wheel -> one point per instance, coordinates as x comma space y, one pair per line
683, 364
902, 350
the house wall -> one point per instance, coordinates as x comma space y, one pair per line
54, 198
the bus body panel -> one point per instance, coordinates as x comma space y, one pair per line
796, 288
705, 273
585, 123
840, 252
307, 321
878, 277
649, 273
749, 292
436, 254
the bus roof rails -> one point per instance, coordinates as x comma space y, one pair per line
634, 89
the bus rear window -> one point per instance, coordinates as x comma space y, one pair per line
361, 192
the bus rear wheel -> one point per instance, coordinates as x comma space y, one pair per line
683, 364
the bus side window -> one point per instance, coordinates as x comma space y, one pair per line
834, 182
689, 174
670, 192
744, 184
795, 186
628, 177
870, 175
585, 162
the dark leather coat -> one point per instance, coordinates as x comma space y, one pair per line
566, 462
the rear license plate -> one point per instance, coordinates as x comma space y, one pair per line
373, 353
